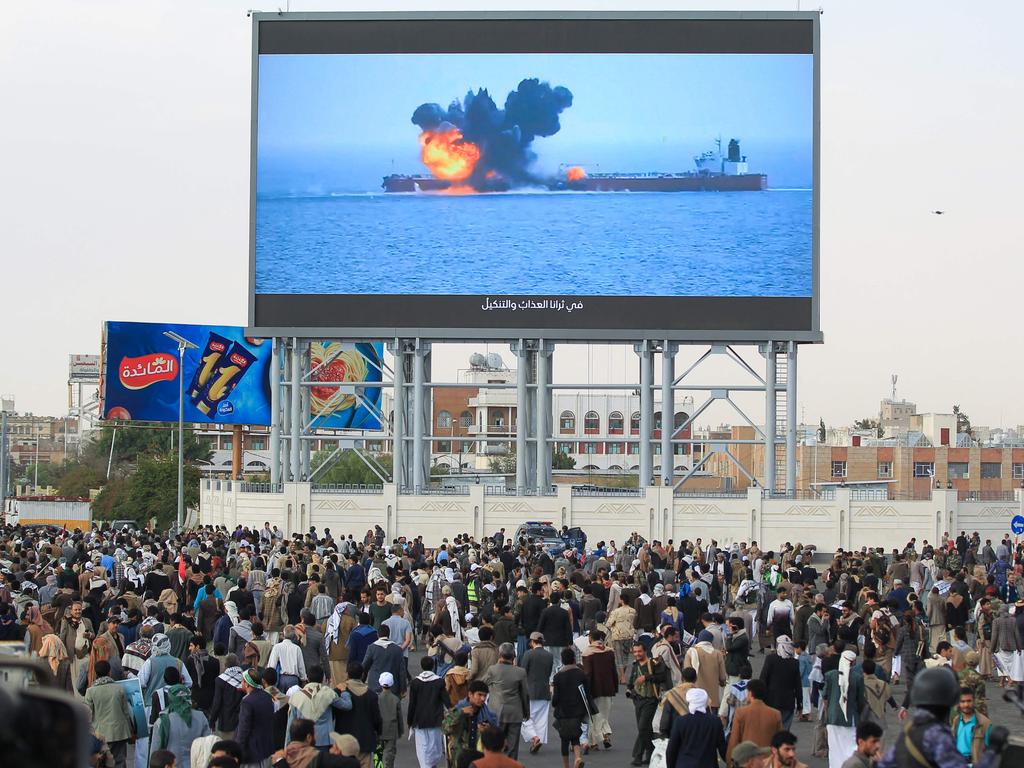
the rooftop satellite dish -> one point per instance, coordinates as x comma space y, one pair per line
494, 361
477, 360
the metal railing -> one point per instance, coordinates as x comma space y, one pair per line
986, 496
499, 490
700, 494
800, 495
585, 492
260, 487
438, 490
347, 488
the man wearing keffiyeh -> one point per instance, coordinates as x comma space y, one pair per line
844, 701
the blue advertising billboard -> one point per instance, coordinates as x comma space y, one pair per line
226, 377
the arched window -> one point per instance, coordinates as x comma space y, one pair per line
679, 419
444, 420
657, 420
590, 468
591, 423
615, 423
615, 468
634, 423
465, 419
567, 422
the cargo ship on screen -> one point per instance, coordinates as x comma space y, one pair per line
714, 173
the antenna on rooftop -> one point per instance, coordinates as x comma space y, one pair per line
894, 378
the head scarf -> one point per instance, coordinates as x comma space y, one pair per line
697, 700
161, 645
53, 650
845, 663
178, 700
199, 659
784, 647
453, 610
334, 623
35, 617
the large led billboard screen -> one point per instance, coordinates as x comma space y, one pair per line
583, 177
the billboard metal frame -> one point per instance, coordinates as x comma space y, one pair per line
550, 334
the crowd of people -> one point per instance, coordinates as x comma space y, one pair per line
252, 648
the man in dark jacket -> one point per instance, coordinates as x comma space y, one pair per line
533, 606
385, 656
362, 721
428, 702
697, 739
203, 669
227, 696
556, 627
255, 731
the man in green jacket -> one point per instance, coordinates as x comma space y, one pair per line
111, 716
844, 701
648, 680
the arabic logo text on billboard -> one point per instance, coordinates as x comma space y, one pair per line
140, 372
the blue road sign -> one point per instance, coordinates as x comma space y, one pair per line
1017, 525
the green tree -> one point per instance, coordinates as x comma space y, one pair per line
963, 422
560, 460
350, 469
111, 501
79, 479
152, 491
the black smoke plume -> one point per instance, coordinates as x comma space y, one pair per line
504, 135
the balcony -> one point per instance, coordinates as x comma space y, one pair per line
497, 398
498, 430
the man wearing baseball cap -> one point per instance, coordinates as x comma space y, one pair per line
747, 754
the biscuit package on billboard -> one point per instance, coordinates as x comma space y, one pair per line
225, 377
216, 346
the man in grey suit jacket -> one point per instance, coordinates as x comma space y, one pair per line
509, 698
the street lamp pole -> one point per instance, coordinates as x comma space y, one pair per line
183, 344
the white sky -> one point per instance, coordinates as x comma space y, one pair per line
124, 192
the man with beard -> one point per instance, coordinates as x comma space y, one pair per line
784, 752
77, 634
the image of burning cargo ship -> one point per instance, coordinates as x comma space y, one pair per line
712, 172
473, 146
549, 174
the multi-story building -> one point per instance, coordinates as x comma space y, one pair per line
35, 439
892, 467
895, 415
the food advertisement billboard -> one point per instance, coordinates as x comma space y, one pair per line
591, 176
227, 377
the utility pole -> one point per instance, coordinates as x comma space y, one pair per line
3, 465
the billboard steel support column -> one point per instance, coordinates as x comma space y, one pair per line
307, 445
543, 414
646, 411
770, 417
398, 420
296, 411
3, 465
522, 413
791, 416
275, 412
668, 411
420, 416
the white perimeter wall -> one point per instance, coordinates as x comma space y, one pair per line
829, 524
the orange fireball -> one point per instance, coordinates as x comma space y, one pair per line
576, 173
448, 155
